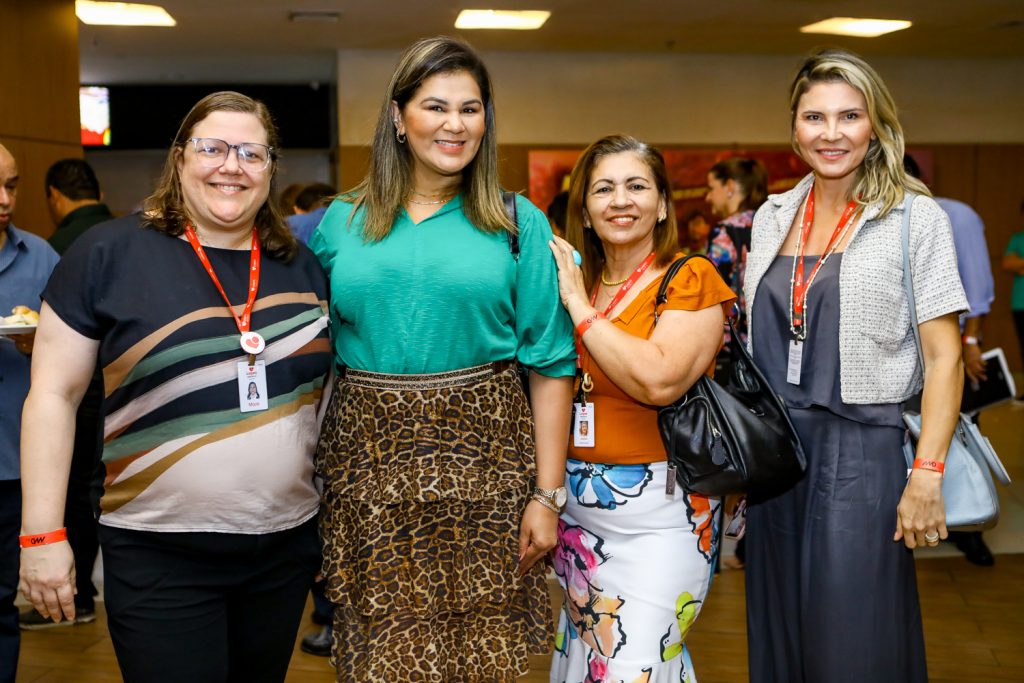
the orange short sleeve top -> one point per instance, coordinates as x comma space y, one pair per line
625, 430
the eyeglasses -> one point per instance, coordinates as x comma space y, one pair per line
252, 156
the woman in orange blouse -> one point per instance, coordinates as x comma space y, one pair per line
634, 553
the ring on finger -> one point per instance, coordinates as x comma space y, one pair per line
932, 537
577, 258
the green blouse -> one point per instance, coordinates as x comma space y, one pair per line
441, 295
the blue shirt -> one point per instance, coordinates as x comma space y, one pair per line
972, 260
303, 224
25, 265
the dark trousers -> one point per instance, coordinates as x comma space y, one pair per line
323, 609
84, 486
10, 527
1018, 322
206, 607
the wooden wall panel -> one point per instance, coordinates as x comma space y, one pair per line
39, 120
999, 192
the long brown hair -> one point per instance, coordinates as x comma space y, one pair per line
881, 177
388, 183
751, 177
164, 210
666, 236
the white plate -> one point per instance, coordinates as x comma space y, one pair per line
16, 329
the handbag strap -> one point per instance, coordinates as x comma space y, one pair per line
662, 296
509, 198
908, 278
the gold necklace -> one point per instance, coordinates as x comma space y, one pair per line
612, 284
439, 201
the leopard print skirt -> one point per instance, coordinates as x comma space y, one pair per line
423, 493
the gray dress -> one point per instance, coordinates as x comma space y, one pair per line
830, 597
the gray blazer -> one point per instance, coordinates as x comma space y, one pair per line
877, 352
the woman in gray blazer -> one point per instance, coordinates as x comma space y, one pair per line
831, 589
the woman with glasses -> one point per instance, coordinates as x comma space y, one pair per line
209, 323
441, 490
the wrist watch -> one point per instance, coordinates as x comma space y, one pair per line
552, 499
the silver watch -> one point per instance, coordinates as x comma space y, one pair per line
553, 499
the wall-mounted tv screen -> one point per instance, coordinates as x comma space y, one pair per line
94, 108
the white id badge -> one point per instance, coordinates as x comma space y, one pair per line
796, 358
252, 386
583, 426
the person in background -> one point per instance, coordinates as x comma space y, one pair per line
635, 551
697, 231
831, 586
736, 189
286, 200
556, 212
208, 524
1013, 262
975, 269
310, 208
442, 487
25, 264
75, 202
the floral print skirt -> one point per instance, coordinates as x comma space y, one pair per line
635, 565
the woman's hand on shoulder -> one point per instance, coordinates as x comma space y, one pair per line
571, 288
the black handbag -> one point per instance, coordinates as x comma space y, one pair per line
734, 437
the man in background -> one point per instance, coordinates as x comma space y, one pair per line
73, 195
25, 265
310, 208
74, 198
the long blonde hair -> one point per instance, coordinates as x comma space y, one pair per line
388, 183
881, 177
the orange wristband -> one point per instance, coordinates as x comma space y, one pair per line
33, 540
933, 465
585, 325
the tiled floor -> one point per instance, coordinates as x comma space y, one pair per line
974, 617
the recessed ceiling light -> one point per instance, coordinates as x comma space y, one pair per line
863, 28
122, 14
524, 20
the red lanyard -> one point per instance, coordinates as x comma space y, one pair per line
626, 286
254, 276
800, 286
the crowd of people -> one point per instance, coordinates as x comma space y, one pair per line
444, 393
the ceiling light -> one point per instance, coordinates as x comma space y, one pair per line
862, 28
122, 14
525, 20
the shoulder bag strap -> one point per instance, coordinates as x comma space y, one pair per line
662, 296
509, 198
908, 278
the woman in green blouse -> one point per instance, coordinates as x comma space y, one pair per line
441, 491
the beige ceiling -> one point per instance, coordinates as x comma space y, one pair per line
219, 29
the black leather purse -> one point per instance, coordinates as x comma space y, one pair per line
730, 437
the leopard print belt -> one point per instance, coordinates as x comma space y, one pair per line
426, 382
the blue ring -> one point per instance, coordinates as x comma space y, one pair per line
576, 258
